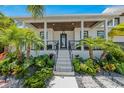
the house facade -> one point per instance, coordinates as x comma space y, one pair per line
63, 32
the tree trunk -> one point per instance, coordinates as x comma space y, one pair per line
103, 55
91, 53
19, 55
6, 49
28, 51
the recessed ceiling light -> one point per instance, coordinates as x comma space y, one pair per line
72, 23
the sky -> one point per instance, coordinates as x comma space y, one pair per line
20, 10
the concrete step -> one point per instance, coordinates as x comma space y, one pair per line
64, 65
63, 73
63, 58
63, 61
64, 69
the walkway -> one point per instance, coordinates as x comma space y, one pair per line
63, 82
86, 81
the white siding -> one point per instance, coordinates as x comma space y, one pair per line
122, 19
118, 39
50, 34
56, 35
77, 33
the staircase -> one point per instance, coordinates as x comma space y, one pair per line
63, 64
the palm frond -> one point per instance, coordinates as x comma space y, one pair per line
36, 10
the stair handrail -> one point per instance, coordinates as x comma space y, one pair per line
56, 56
70, 53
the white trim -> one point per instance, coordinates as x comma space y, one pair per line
106, 29
82, 29
45, 34
113, 22
82, 33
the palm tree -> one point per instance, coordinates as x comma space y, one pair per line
17, 38
11, 38
31, 38
36, 10
108, 47
90, 42
5, 21
117, 31
11, 35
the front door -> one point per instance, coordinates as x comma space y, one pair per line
63, 41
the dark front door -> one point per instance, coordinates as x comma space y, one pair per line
63, 41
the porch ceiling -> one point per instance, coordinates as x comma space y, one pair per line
64, 26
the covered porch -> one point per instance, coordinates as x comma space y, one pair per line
64, 32
66, 35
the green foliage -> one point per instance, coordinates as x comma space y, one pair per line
76, 63
39, 79
120, 68
4, 67
5, 21
118, 55
50, 63
35, 10
40, 63
87, 67
44, 61
90, 42
117, 31
109, 67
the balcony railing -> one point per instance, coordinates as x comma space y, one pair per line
52, 45
73, 45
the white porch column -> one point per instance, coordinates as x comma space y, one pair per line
82, 32
106, 29
45, 35
113, 22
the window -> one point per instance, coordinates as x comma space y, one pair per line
101, 34
85, 34
42, 34
116, 21
110, 22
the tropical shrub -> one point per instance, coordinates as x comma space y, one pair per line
43, 61
85, 67
120, 68
4, 67
97, 67
40, 63
39, 79
50, 62
90, 67
118, 55
76, 63
110, 67
21, 71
